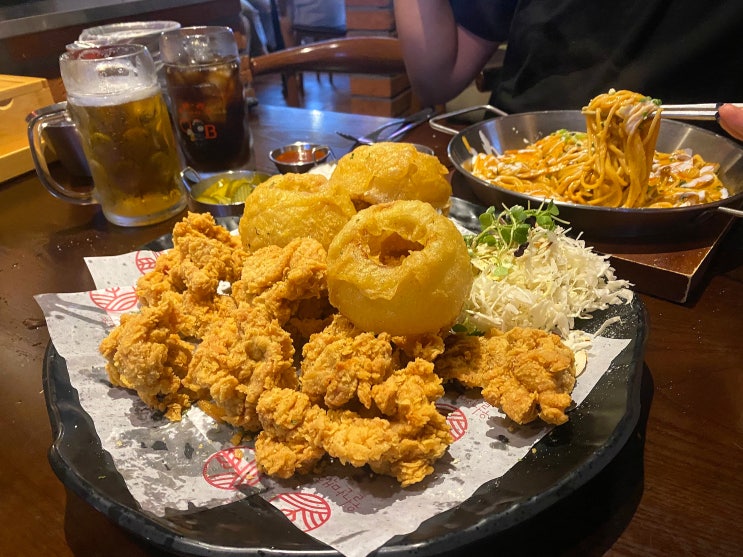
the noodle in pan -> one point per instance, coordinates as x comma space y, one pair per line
613, 164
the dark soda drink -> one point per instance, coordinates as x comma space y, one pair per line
209, 113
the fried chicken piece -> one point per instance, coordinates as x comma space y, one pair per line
342, 363
208, 254
379, 414
428, 346
203, 255
311, 316
280, 278
240, 357
473, 360
152, 286
144, 354
407, 391
542, 365
408, 442
526, 372
194, 315
392, 448
291, 440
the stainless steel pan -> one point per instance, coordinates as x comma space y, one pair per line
515, 130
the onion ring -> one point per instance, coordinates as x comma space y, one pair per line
290, 206
399, 267
386, 171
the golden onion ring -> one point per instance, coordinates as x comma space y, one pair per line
399, 267
290, 206
384, 172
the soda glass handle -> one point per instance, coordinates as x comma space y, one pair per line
36, 125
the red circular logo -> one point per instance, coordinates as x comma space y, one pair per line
306, 510
231, 468
115, 299
455, 418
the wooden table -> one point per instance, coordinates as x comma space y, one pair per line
674, 489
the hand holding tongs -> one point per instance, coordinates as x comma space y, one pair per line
699, 111
402, 125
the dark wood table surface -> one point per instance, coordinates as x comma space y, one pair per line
676, 488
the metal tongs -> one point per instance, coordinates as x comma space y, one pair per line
399, 127
699, 111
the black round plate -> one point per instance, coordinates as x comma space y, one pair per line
564, 460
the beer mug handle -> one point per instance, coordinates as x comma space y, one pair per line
37, 121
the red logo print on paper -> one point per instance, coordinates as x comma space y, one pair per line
115, 299
145, 260
231, 468
306, 510
455, 418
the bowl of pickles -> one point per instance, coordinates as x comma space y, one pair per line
222, 194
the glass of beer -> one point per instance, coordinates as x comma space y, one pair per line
202, 73
114, 100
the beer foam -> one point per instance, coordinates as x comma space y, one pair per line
104, 98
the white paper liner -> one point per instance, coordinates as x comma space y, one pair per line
179, 466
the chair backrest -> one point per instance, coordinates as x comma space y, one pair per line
326, 15
363, 54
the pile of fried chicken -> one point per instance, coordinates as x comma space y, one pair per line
251, 338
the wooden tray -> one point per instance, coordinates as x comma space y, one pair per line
670, 267
18, 97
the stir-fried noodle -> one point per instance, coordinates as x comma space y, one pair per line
613, 164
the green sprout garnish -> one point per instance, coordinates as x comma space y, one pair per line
510, 227
467, 328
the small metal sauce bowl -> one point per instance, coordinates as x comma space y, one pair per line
197, 184
305, 155
425, 149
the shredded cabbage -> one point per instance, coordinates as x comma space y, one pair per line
547, 284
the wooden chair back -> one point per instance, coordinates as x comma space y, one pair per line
348, 54
363, 54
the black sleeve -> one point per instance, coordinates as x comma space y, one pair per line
488, 19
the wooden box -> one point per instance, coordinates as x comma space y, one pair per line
378, 85
18, 97
380, 106
367, 15
370, 20
380, 95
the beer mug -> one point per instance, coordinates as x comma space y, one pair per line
146, 33
202, 73
114, 100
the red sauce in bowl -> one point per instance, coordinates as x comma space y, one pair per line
300, 156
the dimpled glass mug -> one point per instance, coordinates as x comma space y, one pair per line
118, 109
202, 73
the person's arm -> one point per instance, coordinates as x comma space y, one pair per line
441, 58
731, 120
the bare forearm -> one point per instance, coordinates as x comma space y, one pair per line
441, 58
